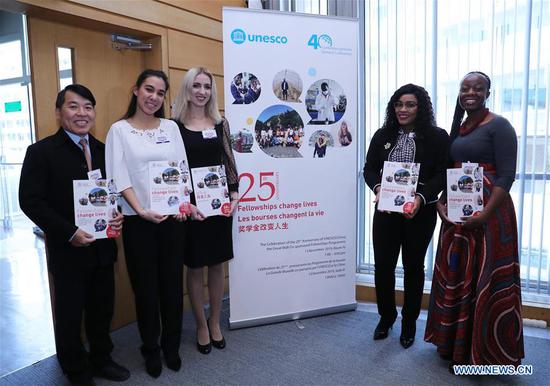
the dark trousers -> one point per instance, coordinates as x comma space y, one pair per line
392, 232
154, 257
82, 291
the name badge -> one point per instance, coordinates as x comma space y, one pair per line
161, 139
209, 134
94, 175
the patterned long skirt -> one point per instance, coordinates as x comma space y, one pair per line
474, 314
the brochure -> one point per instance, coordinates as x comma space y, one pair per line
398, 187
95, 202
211, 190
169, 186
464, 191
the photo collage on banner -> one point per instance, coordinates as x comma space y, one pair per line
291, 93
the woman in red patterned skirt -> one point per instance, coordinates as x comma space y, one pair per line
475, 306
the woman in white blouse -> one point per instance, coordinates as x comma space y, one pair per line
153, 243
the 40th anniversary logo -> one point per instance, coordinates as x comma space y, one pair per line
319, 41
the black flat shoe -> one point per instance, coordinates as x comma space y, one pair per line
408, 331
173, 362
111, 371
153, 365
381, 331
406, 342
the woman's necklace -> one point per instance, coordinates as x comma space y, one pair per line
470, 124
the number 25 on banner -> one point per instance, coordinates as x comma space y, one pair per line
266, 189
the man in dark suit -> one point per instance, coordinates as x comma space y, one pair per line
81, 266
284, 89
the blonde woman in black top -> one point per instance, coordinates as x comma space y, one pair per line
208, 243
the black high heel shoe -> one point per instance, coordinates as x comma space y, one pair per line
219, 344
408, 331
204, 348
382, 330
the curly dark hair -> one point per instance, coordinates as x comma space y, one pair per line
425, 117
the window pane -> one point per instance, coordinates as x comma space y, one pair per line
12, 68
15, 126
65, 66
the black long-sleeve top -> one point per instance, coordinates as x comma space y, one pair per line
432, 152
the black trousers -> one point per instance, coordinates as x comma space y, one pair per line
87, 292
391, 233
154, 257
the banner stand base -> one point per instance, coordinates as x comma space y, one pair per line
235, 324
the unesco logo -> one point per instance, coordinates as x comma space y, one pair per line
238, 36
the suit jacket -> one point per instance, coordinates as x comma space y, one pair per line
46, 197
432, 152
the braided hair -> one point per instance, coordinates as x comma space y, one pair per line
425, 117
459, 111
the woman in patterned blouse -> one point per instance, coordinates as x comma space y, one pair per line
409, 134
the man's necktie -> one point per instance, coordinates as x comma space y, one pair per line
84, 143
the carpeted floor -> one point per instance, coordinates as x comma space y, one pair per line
329, 350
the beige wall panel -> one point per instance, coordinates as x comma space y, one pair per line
176, 76
84, 16
160, 14
186, 51
154, 58
157, 59
43, 65
208, 8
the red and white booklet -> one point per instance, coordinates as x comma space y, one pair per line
95, 203
211, 190
464, 191
398, 186
169, 186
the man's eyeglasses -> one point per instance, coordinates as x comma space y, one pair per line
408, 105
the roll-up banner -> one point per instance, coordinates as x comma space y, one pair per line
291, 100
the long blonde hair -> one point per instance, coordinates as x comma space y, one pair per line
180, 109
